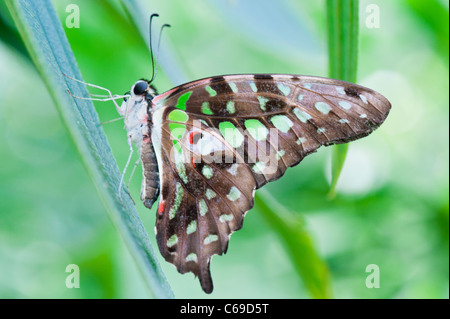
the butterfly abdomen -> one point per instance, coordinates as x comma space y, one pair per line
150, 181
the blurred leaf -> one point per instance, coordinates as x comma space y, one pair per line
45, 40
297, 240
8, 33
343, 61
435, 16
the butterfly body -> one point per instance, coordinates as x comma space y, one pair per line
135, 115
207, 145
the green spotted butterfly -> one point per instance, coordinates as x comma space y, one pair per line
207, 145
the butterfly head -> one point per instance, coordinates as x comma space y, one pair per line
142, 88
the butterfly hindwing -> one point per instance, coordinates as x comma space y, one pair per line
218, 139
203, 199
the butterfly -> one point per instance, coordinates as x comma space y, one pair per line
207, 145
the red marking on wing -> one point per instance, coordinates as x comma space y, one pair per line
191, 137
161, 207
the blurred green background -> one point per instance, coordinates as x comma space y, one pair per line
392, 206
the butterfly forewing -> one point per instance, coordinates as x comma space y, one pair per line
220, 138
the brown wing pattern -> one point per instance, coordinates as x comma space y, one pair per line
202, 200
223, 137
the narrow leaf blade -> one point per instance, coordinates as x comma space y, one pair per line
46, 42
299, 245
343, 61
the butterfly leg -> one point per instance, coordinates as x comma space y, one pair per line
132, 172
100, 95
125, 168
110, 121
110, 98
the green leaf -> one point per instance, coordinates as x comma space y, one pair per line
298, 243
46, 42
343, 22
434, 14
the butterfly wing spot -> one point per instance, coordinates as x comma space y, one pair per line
233, 169
343, 121
323, 107
234, 194
211, 91
220, 85
182, 100
206, 109
207, 171
256, 129
231, 134
204, 122
178, 116
177, 131
340, 90
172, 241
259, 167
231, 107
301, 115
233, 87
210, 194
253, 86
181, 167
363, 98
191, 257
321, 130
282, 123
226, 218
179, 192
280, 154
210, 239
345, 105
300, 97
262, 102
192, 227
284, 89
202, 207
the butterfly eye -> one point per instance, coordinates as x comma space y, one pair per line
140, 88
125, 98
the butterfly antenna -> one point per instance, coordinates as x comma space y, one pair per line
151, 46
157, 50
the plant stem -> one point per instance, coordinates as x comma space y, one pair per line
343, 62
